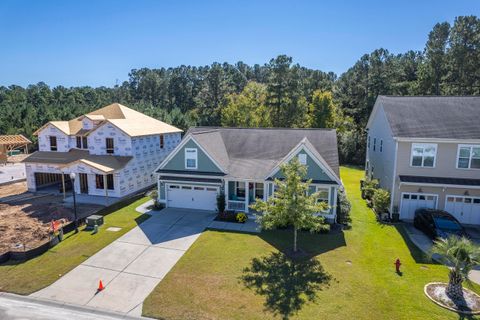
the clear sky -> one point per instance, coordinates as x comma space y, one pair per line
95, 43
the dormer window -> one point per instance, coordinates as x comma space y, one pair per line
53, 143
302, 158
191, 158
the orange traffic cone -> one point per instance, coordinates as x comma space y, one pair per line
100, 286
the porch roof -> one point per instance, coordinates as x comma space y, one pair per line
440, 180
104, 163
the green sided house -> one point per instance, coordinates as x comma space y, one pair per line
243, 163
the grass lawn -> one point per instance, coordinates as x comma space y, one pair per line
351, 277
35, 274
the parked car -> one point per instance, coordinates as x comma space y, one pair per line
438, 223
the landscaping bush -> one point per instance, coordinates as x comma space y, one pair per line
241, 217
343, 208
221, 202
154, 196
228, 216
381, 201
369, 187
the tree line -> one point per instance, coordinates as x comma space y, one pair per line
280, 93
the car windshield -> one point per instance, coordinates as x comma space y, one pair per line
447, 224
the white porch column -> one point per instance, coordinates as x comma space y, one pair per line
247, 195
105, 188
226, 193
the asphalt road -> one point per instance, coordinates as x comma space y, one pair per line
25, 308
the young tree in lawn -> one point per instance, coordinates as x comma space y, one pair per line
292, 203
461, 255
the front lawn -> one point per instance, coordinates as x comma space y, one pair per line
227, 275
35, 274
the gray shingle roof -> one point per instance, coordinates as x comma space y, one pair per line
445, 117
254, 152
440, 180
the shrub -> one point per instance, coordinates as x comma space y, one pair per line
343, 207
228, 216
154, 196
221, 202
241, 217
369, 187
381, 201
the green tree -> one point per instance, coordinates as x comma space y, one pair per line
434, 69
292, 204
464, 56
461, 255
322, 110
247, 109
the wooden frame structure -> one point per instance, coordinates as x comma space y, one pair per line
9, 143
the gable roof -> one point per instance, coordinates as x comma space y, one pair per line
132, 122
447, 117
252, 153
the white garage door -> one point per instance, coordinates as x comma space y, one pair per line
192, 197
465, 209
413, 201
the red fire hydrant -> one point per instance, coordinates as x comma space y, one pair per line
397, 265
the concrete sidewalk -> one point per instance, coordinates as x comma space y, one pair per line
131, 266
15, 307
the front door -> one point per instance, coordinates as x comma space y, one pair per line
83, 183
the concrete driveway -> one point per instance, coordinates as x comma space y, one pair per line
131, 266
425, 244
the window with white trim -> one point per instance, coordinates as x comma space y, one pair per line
468, 156
240, 189
302, 158
423, 155
374, 144
191, 158
323, 194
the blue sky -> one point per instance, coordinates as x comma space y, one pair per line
97, 43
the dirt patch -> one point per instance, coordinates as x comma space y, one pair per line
26, 225
13, 189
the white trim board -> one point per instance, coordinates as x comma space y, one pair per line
180, 146
320, 162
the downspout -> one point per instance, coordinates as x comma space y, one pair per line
394, 176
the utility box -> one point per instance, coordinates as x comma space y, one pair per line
94, 220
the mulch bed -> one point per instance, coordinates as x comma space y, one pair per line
435, 291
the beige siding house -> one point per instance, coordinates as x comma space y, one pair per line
426, 152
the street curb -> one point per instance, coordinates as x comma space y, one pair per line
69, 306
